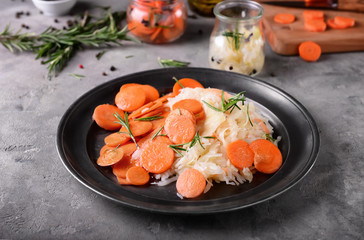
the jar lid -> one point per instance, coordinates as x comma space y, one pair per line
235, 10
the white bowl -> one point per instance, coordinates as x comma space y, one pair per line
54, 7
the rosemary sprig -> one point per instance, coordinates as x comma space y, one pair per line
177, 81
234, 37
77, 76
177, 149
231, 103
156, 134
57, 47
247, 112
125, 123
196, 139
172, 63
155, 117
269, 137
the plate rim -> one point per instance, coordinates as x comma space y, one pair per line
311, 160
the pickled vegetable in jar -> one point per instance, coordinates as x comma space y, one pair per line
203, 7
236, 43
157, 21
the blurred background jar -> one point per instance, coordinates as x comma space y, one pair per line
236, 42
203, 7
157, 21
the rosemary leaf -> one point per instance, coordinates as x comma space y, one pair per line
177, 81
212, 107
77, 76
247, 112
155, 117
172, 63
100, 54
156, 134
125, 123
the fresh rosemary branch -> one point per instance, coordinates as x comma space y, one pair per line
125, 123
156, 134
196, 139
177, 81
77, 76
269, 137
172, 63
57, 47
234, 38
177, 149
230, 104
155, 117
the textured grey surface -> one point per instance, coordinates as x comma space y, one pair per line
39, 199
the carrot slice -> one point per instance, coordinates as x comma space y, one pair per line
314, 25
110, 157
116, 139
186, 82
164, 98
151, 93
183, 112
145, 109
191, 183
128, 85
128, 149
240, 154
344, 21
130, 98
123, 181
157, 157
267, 158
104, 148
137, 176
309, 51
192, 105
138, 128
313, 14
180, 129
262, 124
119, 169
332, 24
104, 116
284, 18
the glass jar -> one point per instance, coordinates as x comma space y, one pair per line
157, 21
236, 42
203, 7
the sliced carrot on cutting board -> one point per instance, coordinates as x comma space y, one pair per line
314, 25
284, 18
344, 21
313, 14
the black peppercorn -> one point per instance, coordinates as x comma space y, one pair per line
231, 68
112, 68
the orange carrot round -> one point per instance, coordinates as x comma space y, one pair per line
104, 116
240, 154
267, 156
119, 169
344, 21
309, 51
192, 105
333, 25
130, 98
151, 93
180, 129
157, 157
191, 183
123, 181
313, 14
138, 128
187, 83
104, 148
128, 85
137, 176
182, 112
284, 18
128, 148
116, 139
314, 25
110, 157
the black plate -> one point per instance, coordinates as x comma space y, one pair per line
79, 140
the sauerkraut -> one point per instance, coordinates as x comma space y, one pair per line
216, 132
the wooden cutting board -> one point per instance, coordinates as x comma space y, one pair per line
285, 38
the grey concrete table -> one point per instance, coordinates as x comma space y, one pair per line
39, 199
